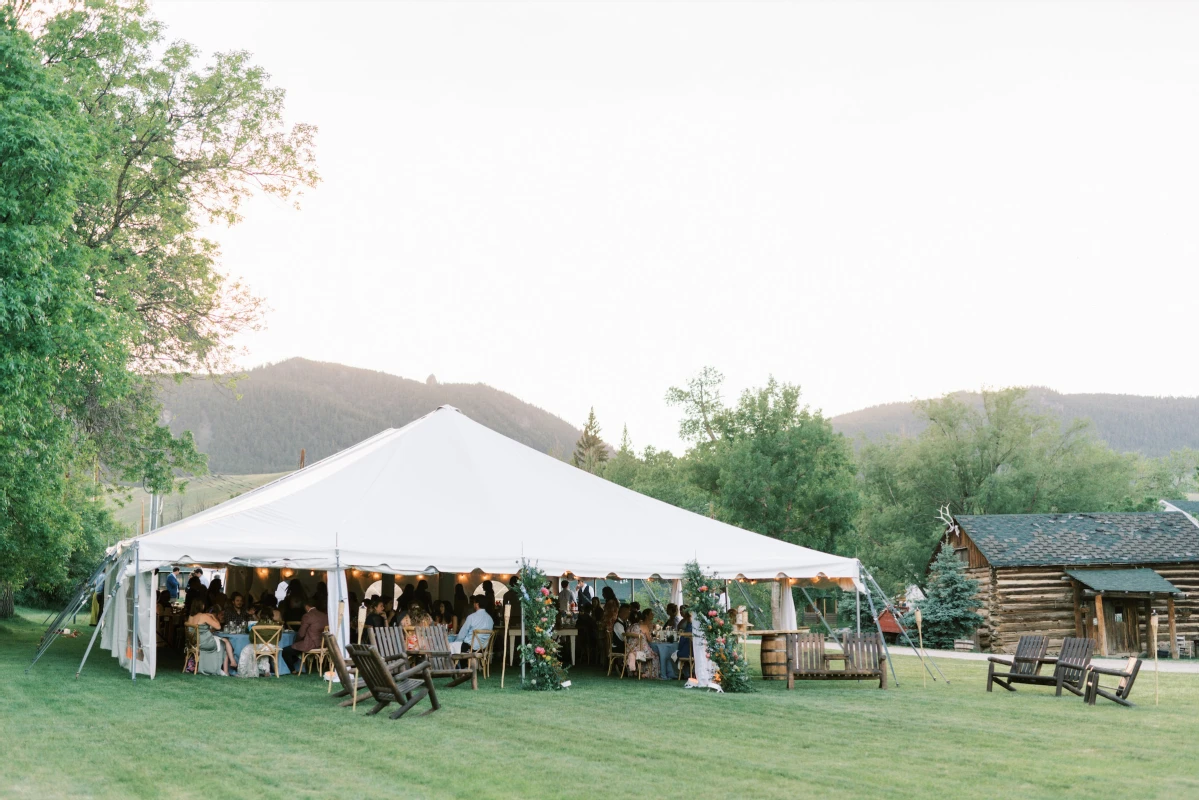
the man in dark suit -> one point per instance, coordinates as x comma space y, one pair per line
173, 583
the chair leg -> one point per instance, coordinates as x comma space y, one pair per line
404, 709
990, 675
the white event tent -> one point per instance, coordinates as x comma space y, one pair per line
445, 494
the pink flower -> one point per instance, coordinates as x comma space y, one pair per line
719, 622
545, 592
703, 588
712, 613
539, 651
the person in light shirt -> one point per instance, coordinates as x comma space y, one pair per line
565, 598
479, 620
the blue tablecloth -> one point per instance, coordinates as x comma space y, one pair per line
242, 640
665, 651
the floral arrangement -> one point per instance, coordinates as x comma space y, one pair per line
725, 650
539, 653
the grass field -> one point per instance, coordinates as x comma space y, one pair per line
187, 736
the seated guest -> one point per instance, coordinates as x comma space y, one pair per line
376, 614
216, 655
685, 627
236, 612
443, 614
308, 637
635, 611
672, 617
164, 603
642, 651
269, 611
619, 626
479, 620
415, 618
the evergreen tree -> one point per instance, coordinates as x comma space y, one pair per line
590, 451
949, 608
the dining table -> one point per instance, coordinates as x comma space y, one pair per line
514, 635
240, 641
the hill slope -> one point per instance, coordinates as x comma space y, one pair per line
1132, 423
327, 407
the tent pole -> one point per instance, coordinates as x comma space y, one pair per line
136, 622
883, 639
857, 609
112, 593
904, 631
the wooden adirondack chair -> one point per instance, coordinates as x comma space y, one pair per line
434, 644
347, 674
389, 643
1118, 694
1071, 665
1027, 663
407, 688
863, 655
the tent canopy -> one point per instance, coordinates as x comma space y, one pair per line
446, 494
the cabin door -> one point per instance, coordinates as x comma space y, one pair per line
1121, 619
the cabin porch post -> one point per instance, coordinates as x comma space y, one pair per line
1172, 627
1100, 625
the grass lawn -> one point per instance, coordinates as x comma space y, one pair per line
187, 736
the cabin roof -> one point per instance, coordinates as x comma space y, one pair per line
1015, 540
1140, 581
1189, 506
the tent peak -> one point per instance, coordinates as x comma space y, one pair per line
448, 407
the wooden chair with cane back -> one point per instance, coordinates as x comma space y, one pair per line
1119, 693
317, 655
264, 639
614, 656
191, 646
1022, 667
347, 673
407, 688
688, 660
434, 647
483, 651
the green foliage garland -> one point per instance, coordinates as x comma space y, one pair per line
539, 653
703, 593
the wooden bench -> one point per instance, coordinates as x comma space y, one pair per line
862, 654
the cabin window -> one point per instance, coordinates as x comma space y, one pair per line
962, 555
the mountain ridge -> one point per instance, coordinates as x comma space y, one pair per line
325, 407
1152, 426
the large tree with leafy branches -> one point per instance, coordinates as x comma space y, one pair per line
115, 147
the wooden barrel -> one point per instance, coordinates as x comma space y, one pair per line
774, 657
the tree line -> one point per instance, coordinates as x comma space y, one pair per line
115, 147
769, 464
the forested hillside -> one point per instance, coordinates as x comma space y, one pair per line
326, 407
1153, 426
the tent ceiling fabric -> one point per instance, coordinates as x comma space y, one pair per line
447, 494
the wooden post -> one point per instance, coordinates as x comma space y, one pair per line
1153, 635
920, 632
1078, 630
504, 654
1171, 628
1100, 625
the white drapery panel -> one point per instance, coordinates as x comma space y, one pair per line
339, 596
676, 592
705, 671
118, 627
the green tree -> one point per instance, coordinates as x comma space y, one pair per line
948, 610
590, 451
116, 148
769, 464
1002, 459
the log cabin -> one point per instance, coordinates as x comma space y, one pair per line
1095, 575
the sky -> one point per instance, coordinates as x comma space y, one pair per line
583, 204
